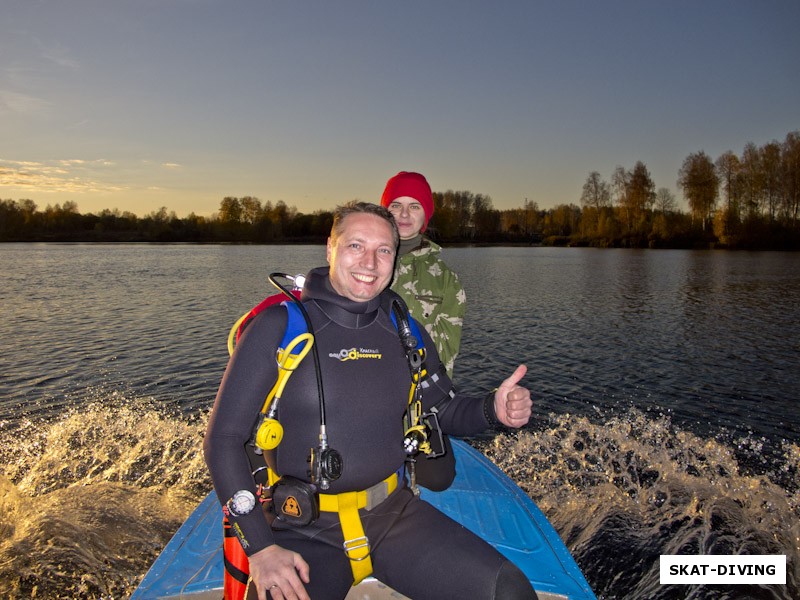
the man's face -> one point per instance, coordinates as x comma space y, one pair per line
409, 216
362, 257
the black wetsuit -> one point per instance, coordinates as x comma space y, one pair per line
414, 548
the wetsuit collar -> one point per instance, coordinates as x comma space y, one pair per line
341, 310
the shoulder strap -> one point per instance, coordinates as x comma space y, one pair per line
265, 303
296, 325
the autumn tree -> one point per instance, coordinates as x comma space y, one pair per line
728, 221
751, 180
791, 177
250, 210
562, 221
728, 171
772, 178
595, 200
486, 219
521, 222
530, 218
700, 185
619, 185
456, 219
641, 190
230, 210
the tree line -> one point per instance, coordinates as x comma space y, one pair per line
750, 200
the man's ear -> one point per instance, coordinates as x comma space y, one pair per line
328, 251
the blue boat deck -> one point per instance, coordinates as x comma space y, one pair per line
481, 498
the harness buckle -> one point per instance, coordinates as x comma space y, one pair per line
377, 494
356, 544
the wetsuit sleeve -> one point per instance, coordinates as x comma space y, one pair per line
458, 415
249, 376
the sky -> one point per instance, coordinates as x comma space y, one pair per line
141, 104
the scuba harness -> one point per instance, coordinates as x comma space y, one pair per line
298, 502
298, 340
418, 424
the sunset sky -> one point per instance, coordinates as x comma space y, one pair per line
139, 104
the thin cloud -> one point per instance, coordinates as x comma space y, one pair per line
59, 176
16, 103
170, 165
58, 54
79, 162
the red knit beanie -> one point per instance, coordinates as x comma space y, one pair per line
414, 185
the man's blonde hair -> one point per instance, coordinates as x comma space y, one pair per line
343, 211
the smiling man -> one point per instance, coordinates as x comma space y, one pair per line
342, 510
361, 255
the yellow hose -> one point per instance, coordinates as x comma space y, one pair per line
288, 362
234, 329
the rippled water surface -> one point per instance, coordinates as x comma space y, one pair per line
666, 387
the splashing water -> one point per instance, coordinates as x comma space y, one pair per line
622, 492
91, 498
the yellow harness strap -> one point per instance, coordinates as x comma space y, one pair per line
347, 504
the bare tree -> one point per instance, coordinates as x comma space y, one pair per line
596, 192
665, 201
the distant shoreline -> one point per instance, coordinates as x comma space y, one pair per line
321, 242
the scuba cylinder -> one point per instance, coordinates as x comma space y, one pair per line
236, 563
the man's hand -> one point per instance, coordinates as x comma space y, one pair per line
279, 572
512, 403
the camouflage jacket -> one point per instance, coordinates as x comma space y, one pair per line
434, 296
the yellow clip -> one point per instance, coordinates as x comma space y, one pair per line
288, 362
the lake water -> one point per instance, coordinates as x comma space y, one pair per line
666, 388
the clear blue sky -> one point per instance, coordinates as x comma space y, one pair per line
139, 104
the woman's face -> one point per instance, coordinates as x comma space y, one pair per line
409, 216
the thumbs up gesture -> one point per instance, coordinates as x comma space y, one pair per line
512, 402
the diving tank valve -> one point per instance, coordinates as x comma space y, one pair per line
298, 280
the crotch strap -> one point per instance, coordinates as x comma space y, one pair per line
347, 504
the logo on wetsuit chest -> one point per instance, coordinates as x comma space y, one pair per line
356, 354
